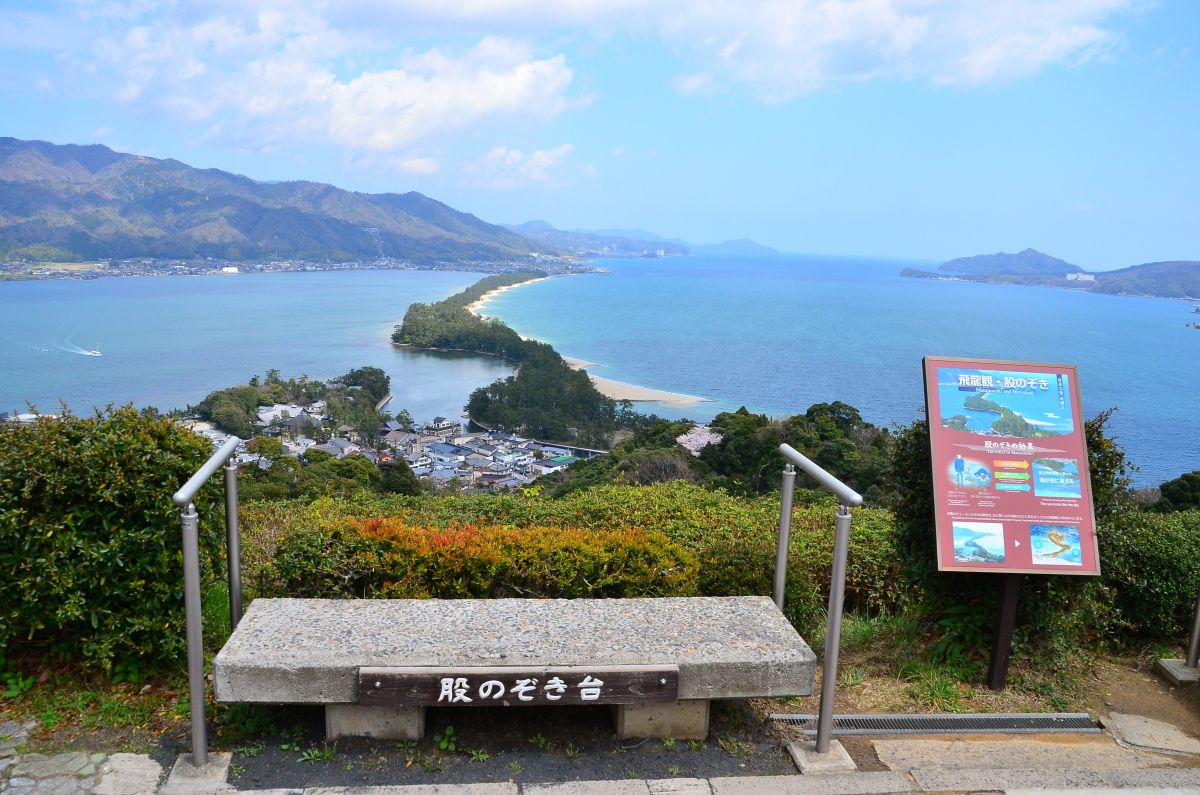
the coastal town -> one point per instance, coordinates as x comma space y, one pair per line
214, 266
441, 453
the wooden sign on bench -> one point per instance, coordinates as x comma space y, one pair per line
537, 686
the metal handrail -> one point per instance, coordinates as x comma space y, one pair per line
190, 525
846, 495
189, 489
848, 498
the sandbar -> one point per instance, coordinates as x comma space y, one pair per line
477, 305
617, 390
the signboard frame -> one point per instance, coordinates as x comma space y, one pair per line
981, 509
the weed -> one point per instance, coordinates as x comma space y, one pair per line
16, 685
291, 738
696, 745
851, 677
669, 743
572, 751
236, 771
347, 766
515, 766
242, 721
407, 745
325, 753
430, 764
539, 740
127, 670
50, 719
479, 755
933, 688
735, 747
445, 740
673, 770
250, 749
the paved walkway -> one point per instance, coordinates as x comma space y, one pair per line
969, 764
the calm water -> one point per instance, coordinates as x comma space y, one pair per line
775, 335
778, 335
169, 341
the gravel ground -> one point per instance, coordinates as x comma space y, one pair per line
527, 745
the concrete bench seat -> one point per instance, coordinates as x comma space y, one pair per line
311, 651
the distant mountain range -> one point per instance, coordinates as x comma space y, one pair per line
631, 242
1178, 279
585, 243
736, 248
67, 202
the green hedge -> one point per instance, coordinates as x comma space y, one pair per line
90, 555
1152, 563
387, 558
732, 539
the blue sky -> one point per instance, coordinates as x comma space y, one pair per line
925, 129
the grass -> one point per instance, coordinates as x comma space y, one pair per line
884, 666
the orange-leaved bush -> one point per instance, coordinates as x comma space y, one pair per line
384, 557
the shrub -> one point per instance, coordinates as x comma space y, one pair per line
89, 539
388, 558
1181, 493
1153, 562
732, 539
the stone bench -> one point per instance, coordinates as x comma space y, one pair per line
376, 664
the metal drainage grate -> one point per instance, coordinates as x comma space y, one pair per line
991, 723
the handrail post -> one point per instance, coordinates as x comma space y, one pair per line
786, 490
234, 544
190, 523
1194, 643
195, 637
833, 631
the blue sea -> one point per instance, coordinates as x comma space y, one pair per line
779, 334
167, 341
775, 335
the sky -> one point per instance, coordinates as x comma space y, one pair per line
915, 129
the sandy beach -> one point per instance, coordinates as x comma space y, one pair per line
477, 305
617, 390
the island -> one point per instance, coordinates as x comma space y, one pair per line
1174, 279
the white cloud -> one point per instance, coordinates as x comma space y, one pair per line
782, 49
505, 168
261, 79
418, 165
274, 72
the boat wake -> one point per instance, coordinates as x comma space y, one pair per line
71, 347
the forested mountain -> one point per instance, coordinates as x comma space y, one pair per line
1176, 279
1179, 279
1029, 262
67, 202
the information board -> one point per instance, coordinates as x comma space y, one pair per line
1010, 470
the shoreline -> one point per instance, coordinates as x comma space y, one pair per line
476, 306
616, 390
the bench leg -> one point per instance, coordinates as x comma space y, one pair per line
382, 723
683, 720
